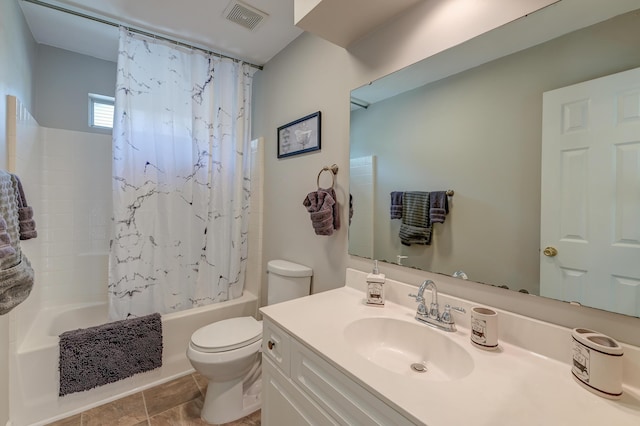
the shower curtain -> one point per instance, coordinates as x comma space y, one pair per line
181, 178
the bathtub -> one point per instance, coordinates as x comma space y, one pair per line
34, 379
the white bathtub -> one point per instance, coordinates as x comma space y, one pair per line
34, 398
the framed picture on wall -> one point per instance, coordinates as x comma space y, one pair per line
300, 136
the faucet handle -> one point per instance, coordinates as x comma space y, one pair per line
455, 308
422, 310
418, 298
446, 315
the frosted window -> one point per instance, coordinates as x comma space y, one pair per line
101, 111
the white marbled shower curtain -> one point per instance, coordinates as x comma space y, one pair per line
181, 170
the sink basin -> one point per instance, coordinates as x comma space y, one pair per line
409, 349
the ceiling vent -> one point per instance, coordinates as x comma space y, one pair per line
244, 15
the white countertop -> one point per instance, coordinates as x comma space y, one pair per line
511, 386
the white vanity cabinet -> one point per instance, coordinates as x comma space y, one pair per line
301, 388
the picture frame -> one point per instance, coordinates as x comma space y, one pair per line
300, 136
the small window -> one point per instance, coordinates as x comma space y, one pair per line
101, 111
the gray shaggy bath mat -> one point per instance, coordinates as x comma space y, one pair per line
110, 352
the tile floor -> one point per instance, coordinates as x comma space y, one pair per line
175, 403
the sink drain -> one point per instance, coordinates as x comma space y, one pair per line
419, 367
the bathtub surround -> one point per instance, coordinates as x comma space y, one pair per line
35, 381
182, 179
110, 352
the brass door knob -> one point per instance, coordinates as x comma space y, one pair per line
550, 251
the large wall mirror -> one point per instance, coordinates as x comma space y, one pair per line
535, 126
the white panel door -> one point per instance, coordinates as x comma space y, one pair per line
590, 205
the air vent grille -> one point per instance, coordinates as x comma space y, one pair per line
244, 15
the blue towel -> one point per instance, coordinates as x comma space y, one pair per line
396, 205
438, 206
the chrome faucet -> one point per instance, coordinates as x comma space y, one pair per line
433, 317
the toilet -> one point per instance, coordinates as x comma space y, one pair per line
227, 352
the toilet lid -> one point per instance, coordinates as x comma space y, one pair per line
227, 334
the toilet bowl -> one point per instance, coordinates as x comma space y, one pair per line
228, 352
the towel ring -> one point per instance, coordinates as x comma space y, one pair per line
334, 171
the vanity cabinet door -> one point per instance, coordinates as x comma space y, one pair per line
276, 346
340, 397
301, 388
284, 404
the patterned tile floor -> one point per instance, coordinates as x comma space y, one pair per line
176, 403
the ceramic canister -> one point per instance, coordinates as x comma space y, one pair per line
484, 328
597, 362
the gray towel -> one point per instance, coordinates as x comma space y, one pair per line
25, 212
16, 274
396, 205
323, 210
15, 285
438, 206
6, 249
416, 227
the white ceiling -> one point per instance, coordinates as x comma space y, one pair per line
197, 22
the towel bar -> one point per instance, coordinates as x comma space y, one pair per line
334, 171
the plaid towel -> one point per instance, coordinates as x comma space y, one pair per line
396, 205
416, 227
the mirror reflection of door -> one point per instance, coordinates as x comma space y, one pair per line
590, 206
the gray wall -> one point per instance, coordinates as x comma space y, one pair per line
311, 74
17, 62
63, 82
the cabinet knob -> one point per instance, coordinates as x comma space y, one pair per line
271, 344
550, 251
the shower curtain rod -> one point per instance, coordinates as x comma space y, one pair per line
137, 31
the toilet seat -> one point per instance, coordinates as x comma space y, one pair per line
227, 335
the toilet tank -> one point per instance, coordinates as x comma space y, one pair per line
287, 280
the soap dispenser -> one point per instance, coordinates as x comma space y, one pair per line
375, 287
